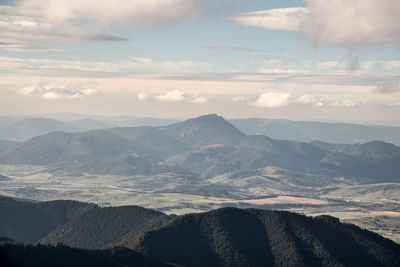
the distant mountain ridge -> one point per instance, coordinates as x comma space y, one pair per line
201, 147
307, 131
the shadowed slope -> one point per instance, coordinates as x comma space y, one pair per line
234, 237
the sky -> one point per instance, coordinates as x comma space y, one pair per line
304, 60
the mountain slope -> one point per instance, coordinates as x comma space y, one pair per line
100, 227
369, 160
29, 221
12, 254
204, 130
234, 237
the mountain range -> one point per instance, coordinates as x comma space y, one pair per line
22, 129
202, 147
129, 236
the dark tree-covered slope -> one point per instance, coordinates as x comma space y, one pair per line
235, 237
100, 227
29, 221
12, 254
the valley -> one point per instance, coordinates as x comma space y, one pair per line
373, 206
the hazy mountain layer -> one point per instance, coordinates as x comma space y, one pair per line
202, 147
307, 131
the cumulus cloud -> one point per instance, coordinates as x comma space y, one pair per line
272, 100
142, 96
350, 24
309, 100
172, 96
239, 99
69, 91
199, 100
388, 88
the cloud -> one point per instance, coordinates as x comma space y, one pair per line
47, 91
272, 100
129, 65
142, 96
388, 88
239, 99
101, 13
171, 96
288, 19
24, 47
40, 30
309, 100
390, 65
351, 24
228, 48
199, 100
280, 71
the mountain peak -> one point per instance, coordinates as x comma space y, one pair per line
204, 130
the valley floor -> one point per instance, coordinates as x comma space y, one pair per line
375, 207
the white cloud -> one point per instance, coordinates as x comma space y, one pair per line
288, 19
309, 100
39, 30
171, 96
228, 48
344, 103
350, 24
273, 99
239, 99
279, 71
45, 90
122, 12
10, 45
199, 100
136, 64
388, 88
142, 96
390, 65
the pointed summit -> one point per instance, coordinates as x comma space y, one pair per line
205, 130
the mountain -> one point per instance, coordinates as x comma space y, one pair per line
12, 254
370, 160
22, 130
251, 237
71, 222
204, 130
202, 147
222, 237
307, 131
101, 227
6, 145
30, 221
